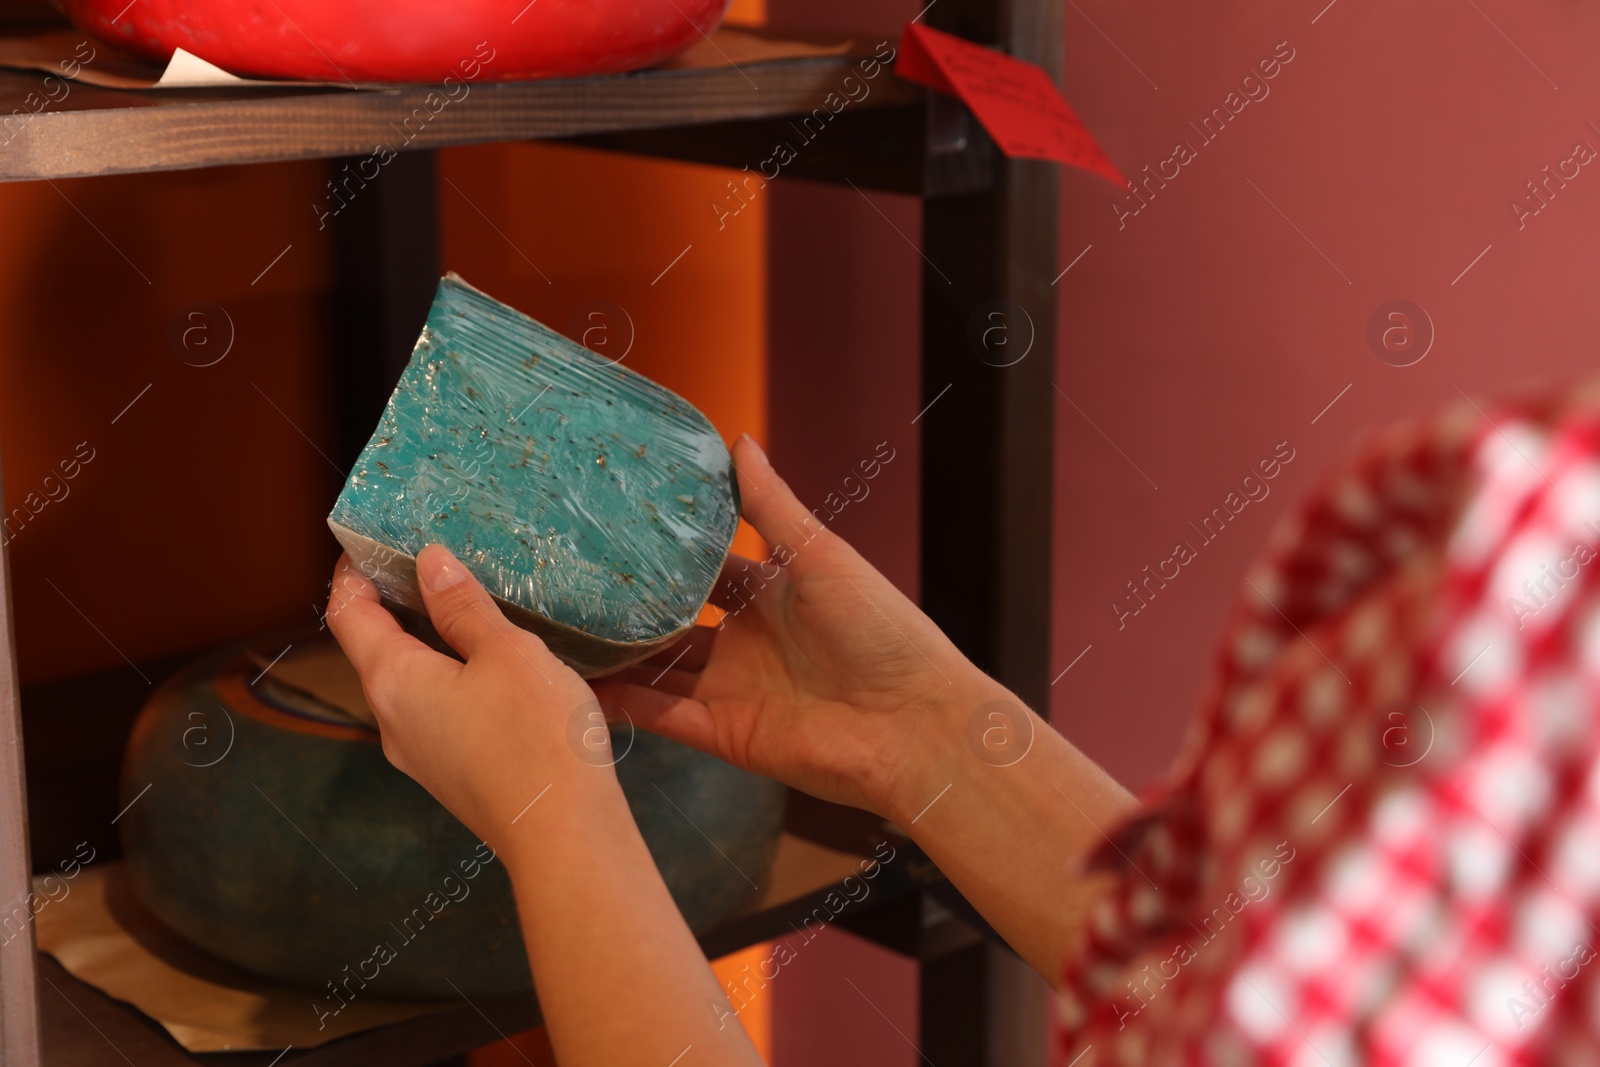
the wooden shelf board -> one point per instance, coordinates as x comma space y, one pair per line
823, 844
82, 1025
100, 131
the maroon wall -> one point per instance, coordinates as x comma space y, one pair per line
1218, 321
1208, 328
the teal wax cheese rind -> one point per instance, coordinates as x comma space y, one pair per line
596, 506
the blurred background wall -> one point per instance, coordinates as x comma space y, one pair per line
1378, 164
1227, 314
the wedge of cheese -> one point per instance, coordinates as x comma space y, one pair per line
595, 505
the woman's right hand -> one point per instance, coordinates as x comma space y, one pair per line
825, 677
822, 674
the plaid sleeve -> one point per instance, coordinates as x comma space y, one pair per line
1382, 842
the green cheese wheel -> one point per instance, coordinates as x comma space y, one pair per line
270, 831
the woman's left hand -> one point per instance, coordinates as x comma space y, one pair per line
485, 737
488, 738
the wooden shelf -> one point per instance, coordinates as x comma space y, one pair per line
103, 131
985, 562
76, 730
802, 878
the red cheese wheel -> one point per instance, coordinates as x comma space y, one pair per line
404, 40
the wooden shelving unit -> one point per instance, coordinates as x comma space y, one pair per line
986, 480
99, 131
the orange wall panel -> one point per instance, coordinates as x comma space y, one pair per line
197, 515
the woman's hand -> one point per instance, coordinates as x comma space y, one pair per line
822, 674
484, 736
489, 738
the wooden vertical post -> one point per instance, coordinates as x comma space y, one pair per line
988, 442
386, 268
987, 484
19, 986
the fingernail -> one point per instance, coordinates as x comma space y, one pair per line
751, 441
448, 575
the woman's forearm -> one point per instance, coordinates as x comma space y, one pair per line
1008, 809
620, 979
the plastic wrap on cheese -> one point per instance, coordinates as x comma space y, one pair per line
597, 506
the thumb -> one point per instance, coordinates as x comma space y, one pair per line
766, 500
677, 718
463, 612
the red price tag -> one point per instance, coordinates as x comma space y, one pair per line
1015, 100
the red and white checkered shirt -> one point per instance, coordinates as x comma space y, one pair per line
1382, 842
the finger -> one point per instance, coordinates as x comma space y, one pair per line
387, 659
360, 623
766, 499
462, 610
691, 653
677, 718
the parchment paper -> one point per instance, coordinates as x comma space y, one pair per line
103, 936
